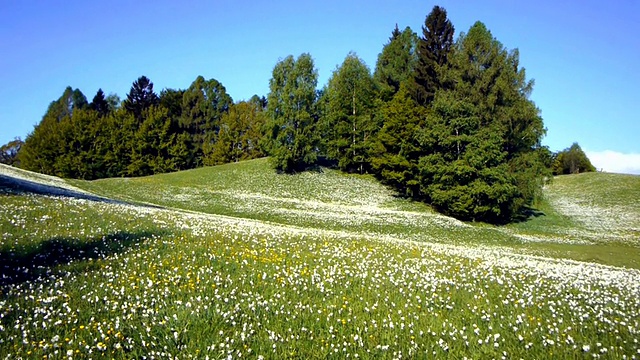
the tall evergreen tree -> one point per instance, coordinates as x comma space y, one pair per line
397, 62
433, 52
100, 104
140, 97
292, 114
351, 97
483, 135
396, 150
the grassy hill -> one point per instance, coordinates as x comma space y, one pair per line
600, 224
239, 261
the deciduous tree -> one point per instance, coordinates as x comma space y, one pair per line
351, 95
291, 136
203, 104
45, 143
239, 135
572, 160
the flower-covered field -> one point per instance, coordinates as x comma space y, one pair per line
86, 277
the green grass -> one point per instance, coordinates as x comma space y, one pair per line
331, 200
108, 280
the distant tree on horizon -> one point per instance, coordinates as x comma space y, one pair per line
140, 97
9, 152
572, 160
100, 104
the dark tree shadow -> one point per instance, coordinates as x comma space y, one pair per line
16, 186
40, 261
526, 214
325, 162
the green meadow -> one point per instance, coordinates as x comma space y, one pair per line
237, 261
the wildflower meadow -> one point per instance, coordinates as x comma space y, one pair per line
154, 268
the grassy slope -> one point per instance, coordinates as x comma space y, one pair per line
589, 217
109, 280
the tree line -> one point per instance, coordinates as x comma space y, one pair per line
145, 134
444, 121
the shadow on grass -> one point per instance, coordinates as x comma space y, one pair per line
527, 214
16, 186
21, 266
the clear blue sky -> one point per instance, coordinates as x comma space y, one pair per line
583, 55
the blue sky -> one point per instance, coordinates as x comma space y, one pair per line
583, 55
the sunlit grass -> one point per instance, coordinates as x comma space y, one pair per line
331, 200
100, 279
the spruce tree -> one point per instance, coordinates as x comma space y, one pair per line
396, 150
140, 97
433, 53
100, 104
396, 63
483, 134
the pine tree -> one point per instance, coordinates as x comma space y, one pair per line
140, 97
100, 104
396, 63
396, 149
433, 53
